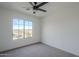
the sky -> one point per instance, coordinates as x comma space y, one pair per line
20, 24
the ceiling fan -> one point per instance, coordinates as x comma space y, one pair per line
36, 6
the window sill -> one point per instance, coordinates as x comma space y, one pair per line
22, 39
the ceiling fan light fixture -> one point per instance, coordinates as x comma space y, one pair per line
34, 12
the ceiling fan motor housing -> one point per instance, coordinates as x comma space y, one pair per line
35, 7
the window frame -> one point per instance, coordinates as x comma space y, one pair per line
23, 28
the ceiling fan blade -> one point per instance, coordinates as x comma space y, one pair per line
31, 3
41, 10
43, 3
29, 8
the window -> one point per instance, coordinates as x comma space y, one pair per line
21, 29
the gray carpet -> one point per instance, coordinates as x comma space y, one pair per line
37, 50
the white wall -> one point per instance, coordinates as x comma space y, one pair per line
61, 28
6, 41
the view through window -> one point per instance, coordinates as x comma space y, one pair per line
21, 29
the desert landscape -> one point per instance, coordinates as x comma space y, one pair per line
21, 33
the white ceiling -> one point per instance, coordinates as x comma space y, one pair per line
19, 6
50, 6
